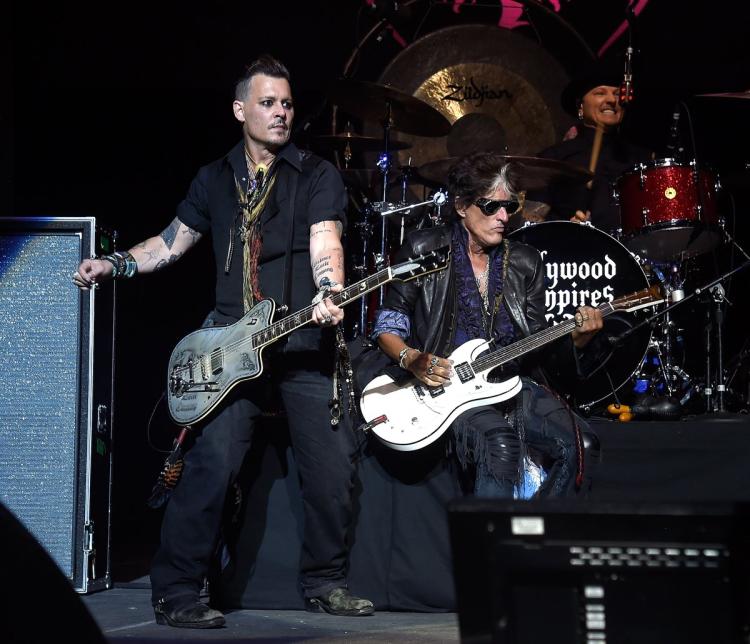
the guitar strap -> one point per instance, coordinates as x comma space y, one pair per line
292, 177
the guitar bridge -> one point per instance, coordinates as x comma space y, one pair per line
366, 427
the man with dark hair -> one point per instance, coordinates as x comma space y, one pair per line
275, 215
593, 97
493, 289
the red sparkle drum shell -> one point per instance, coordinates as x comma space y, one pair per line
586, 266
668, 209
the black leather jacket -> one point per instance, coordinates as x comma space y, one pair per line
430, 302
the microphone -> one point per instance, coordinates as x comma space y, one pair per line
626, 89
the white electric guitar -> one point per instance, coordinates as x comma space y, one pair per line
411, 415
206, 364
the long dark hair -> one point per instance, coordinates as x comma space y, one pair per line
479, 174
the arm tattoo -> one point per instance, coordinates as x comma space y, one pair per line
169, 234
319, 231
321, 267
193, 233
166, 262
325, 227
151, 255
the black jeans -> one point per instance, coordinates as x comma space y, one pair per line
487, 440
325, 460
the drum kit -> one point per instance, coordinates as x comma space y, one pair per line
669, 212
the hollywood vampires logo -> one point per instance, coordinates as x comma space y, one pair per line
574, 284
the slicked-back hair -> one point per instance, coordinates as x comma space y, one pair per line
479, 174
266, 65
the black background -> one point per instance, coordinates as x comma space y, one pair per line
113, 107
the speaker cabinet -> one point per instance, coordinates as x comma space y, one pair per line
574, 573
56, 393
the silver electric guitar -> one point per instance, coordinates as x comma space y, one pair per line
411, 415
206, 364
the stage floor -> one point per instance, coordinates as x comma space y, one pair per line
124, 614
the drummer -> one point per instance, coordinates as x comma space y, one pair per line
593, 98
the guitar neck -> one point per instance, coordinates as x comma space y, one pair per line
534, 341
302, 317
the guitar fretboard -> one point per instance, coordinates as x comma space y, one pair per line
534, 341
302, 317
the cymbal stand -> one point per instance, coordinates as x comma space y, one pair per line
716, 396
405, 176
384, 164
714, 327
364, 230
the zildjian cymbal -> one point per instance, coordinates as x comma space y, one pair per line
470, 71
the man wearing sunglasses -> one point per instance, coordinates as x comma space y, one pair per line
493, 289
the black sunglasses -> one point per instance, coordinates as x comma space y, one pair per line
490, 207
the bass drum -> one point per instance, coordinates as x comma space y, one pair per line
585, 266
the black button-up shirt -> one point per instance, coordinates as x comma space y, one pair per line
212, 205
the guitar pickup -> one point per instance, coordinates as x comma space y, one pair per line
201, 386
464, 372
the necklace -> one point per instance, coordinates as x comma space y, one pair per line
483, 286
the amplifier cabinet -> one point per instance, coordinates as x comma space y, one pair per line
56, 392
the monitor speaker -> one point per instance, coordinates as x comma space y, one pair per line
56, 393
38, 603
596, 573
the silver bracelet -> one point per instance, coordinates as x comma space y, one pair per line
402, 357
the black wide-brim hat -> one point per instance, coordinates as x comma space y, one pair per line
600, 72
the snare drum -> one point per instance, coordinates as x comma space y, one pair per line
587, 267
668, 209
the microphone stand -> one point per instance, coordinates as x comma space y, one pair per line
717, 292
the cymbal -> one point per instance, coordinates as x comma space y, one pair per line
371, 101
535, 172
498, 89
745, 94
356, 142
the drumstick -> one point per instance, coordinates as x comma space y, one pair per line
595, 149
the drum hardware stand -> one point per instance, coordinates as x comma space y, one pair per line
715, 322
440, 198
384, 165
364, 228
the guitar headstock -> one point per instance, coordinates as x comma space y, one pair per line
639, 300
420, 265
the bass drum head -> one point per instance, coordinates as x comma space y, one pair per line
585, 266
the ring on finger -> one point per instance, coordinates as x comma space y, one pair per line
327, 319
578, 318
429, 371
433, 361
